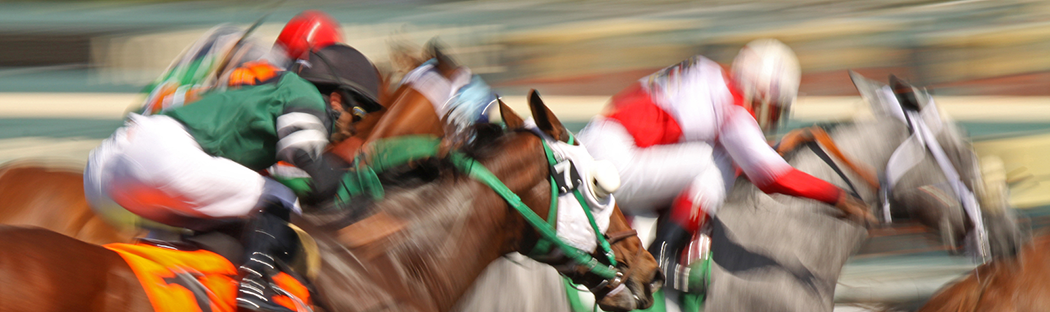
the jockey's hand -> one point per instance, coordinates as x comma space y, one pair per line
793, 139
855, 209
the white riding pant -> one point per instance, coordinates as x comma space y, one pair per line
153, 168
651, 177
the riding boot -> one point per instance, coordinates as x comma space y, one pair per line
667, 247
268, 241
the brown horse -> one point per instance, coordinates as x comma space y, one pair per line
1008, 284
417, 260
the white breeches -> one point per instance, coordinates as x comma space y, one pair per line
155, 169
652, 177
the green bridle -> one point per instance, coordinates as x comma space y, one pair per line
548, 235
393, 152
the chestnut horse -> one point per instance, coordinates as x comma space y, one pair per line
424, 262
1006, 284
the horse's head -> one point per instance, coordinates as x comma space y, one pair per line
435, 230
934, 175
425, 99
413, 108
579, 191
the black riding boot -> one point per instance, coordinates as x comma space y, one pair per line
667, 247
268, 239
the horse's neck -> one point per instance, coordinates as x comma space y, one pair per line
455, 228
410, 113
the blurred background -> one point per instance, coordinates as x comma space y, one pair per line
70, 70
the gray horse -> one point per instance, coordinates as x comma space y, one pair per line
780, 253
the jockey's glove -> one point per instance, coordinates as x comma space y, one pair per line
855, 208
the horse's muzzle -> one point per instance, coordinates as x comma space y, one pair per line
635, 293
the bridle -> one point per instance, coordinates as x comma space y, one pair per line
603, 265
548, 241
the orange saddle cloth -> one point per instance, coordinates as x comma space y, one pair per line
200, 280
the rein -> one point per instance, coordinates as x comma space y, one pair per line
479, 172
817, 138
615, 283
560, 189
831, 163
393, 152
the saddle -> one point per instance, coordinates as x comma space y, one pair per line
199, 272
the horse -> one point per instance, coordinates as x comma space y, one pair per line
1008, 284
780, 253
421, 260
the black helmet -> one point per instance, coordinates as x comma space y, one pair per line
344, 68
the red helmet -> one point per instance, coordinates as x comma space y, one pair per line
310, 29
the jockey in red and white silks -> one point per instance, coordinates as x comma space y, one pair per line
678, 136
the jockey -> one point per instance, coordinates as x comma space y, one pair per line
676, 135
196, 166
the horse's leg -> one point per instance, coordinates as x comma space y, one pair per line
782, 254
45, 271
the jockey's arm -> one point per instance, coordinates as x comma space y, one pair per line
746, 144
302, 137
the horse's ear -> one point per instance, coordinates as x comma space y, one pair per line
905, 94
865, 86
545, 119
869, 92
510, 118
445, 64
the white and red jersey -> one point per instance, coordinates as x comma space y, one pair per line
695, 101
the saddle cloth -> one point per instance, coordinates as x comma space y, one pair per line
198, 280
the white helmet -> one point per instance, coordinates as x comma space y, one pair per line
768, 74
